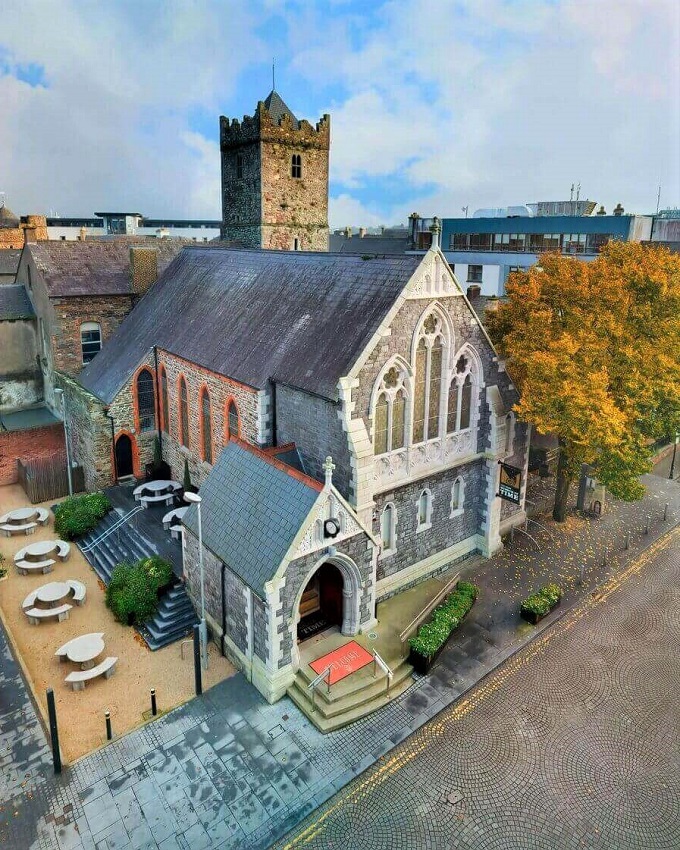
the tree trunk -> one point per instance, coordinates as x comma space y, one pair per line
562, 486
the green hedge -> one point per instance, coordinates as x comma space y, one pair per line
542, 601
77, 515
445, 619
132, 594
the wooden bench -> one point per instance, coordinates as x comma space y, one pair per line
35, 615
168, 498
29, 600
25, 567
27, 528
77, 680
79, 590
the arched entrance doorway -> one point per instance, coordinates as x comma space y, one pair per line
322, 602
124, 456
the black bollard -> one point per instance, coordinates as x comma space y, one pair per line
197, 660
153, 703
109, 733
665, 511
647, 525
626, 540
54, 731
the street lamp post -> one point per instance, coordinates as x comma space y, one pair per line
675, 449
60, 393
195, 499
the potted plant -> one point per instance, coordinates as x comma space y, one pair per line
540, 604
432, 636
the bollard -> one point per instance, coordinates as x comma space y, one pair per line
54, 731
647, 525
582, 571
626, 540
109, 733
197, 660
665, 512
153, 703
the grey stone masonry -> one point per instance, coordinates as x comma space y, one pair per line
314, 425
360, 549
235, 593
412, 545
260, 629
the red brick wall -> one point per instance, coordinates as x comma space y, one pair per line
27, 445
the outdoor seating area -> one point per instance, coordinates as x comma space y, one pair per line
83, 651
172, 522
56, 596
156, 492
41, 557
23, 521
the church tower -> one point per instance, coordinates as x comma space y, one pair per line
275, 179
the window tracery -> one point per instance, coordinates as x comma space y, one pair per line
429, 369
389, 418
460, 408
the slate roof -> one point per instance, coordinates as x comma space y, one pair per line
95, 267
252, 507
9, 261
14, 302
299, 318
277, 108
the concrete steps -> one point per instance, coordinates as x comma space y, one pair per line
350, 699
175, 617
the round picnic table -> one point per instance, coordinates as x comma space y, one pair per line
84, 650
52, 592
20, 516
41, 548
159, 487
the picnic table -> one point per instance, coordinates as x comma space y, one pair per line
82, 650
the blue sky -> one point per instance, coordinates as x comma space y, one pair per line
434, 105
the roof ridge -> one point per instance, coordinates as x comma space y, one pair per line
310, 482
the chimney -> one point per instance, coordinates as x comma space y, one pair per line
30, 234
348, 233
81, 235
601, 211
143, 269
362, 232
413, 219
618, 210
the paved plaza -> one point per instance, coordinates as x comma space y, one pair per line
573, 743
227, 770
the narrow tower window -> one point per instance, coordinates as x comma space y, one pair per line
239, 166
296, 166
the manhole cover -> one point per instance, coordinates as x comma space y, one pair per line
454, 797
372, 635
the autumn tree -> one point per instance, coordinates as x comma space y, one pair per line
594, 349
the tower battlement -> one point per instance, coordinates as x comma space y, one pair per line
264, 125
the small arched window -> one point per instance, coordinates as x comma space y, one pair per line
389, 415
183, 413
387, 529
146, 403
239, 166
424, 505
296, 166
206, 427
165, 410
457, 497
90, 340
232, 420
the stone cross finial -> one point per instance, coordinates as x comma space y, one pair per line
435, 230
328, 468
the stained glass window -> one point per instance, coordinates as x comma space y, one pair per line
164, 402
419, 400
466, 403
206, 426
146, 404
435, 388
232, 419
398, 421
452, 417
381, 425
183, 413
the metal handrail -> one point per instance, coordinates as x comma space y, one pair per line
114, 527
380, 662
531, 537
541, 526
316, 681
417, 620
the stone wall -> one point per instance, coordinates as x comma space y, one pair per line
221, 391
21, 380
235, 594
241, 207
26, 445
260, 634
314, 425
360, 549
90, 438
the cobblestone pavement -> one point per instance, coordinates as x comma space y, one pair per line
228, 770
572, 743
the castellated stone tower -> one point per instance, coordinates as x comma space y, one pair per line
275, 179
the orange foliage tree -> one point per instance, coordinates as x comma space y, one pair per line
595, 351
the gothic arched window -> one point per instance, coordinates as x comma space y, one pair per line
389, 415
232, 420
388, 519
424, 505
457, 497
296, 166
183, 413
165, 418
146, 403
206, 427
429, 368
460, 408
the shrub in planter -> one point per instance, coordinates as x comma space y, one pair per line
158, 570
77, 515
132, 594
536, 606
432, 636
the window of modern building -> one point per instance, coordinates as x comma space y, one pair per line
480, 241
501, 242
296, 244
206, 427
232, 419
239, 166
389, 416
146, 402
90, 340
474, 274
165, 409
574, 243
296, 166
424, 240
183, 412
459, 241
595, 242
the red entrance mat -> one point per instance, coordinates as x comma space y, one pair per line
343, 661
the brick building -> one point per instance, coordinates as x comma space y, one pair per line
275, 179
254, 367
15, 231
